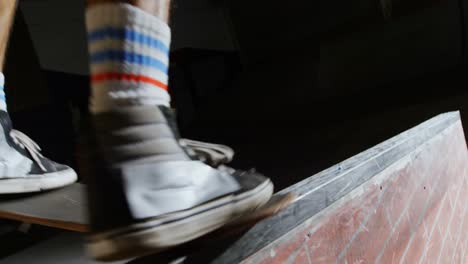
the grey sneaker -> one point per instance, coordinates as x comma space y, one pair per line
154, 193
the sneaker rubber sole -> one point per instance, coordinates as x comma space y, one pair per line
37, 183
164, 232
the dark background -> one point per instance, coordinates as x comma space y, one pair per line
293, 86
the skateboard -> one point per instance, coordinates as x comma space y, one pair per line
66, 209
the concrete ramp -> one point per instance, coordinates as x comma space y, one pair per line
403, 201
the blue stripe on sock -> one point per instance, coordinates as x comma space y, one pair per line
2, 94
129, 57
127, 34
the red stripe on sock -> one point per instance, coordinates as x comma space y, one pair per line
127, 77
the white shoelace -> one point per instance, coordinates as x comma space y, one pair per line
214, 154
27, 143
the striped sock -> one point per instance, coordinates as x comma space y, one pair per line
3, 105
129, 57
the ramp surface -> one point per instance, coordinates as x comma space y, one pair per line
403, 201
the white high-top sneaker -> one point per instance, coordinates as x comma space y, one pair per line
22, 168
153, 193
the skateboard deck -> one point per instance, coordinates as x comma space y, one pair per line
66, 208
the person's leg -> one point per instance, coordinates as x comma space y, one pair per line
22, 167
7, 13
152, 190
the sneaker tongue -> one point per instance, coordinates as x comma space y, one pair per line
171, 119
